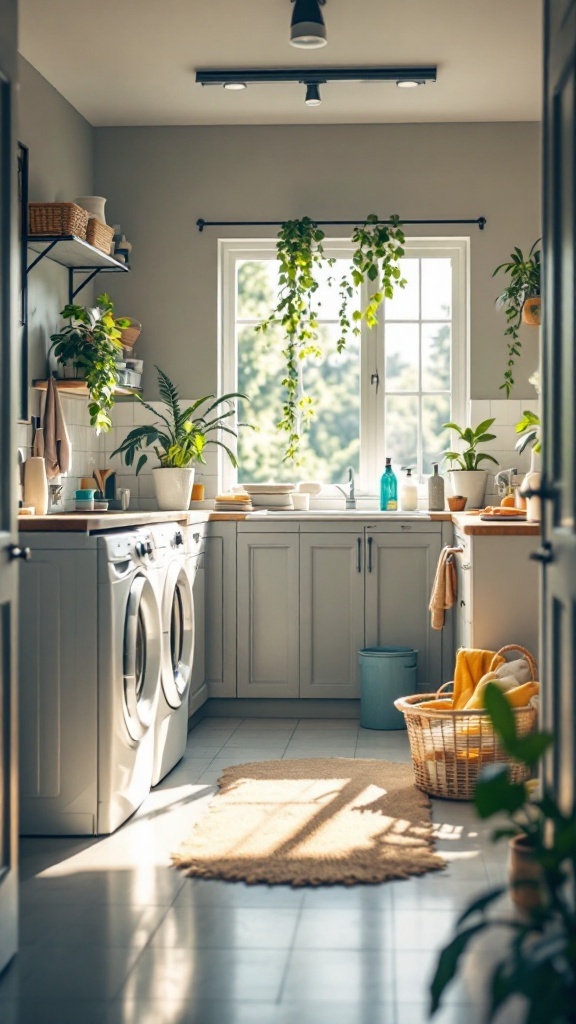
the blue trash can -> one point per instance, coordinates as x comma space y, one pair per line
386, 673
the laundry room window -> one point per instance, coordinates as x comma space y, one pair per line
387, 393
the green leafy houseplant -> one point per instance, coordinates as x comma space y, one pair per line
181, 436
379, 248
91, 341
470, 458
539, 961
524, 275
529, 429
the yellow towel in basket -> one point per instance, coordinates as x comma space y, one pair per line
471, 665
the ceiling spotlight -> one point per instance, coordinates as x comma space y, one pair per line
307, 28
235, 86
408, 84
313, 98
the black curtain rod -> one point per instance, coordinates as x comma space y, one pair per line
201, 223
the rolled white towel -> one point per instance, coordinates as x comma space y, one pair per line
519, 668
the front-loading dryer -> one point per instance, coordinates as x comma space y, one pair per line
178, 637
90, 652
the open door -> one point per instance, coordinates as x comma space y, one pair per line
9, 552
558, 552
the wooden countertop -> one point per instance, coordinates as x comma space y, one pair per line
473, 525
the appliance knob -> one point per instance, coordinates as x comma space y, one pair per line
178, 539
140, 548
149, 549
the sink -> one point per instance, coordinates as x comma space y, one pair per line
342, 513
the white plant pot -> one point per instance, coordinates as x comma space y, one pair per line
471, 484
173, 488
70, 372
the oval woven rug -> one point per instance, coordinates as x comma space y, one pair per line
313, 821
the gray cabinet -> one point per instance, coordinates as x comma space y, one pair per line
268, 598
220, 606
198, 689
331, 613
400, 568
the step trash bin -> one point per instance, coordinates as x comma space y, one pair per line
386, 673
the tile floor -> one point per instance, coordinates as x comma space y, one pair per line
111, 934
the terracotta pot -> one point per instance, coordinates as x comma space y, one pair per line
532, 312
525, 876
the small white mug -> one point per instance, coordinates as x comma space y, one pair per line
301, 502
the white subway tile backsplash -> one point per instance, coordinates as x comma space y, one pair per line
145, 485
506, 410
479, 410
124, 414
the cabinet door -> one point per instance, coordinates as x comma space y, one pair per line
400, 570
331, 614
268, 643
220, 605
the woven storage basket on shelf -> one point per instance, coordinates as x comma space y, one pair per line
450, 747
99, 235
57, 219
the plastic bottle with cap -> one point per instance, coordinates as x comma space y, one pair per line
409, 492
388, 489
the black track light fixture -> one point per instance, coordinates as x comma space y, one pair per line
307, 28
313, 98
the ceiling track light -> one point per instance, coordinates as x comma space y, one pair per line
307, 28
313, 98
240, 78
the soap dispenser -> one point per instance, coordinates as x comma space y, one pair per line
388, 489
409, 492
435, 491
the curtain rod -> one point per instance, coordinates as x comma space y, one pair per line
201, 223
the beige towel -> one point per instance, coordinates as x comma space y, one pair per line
57, 451
444, 589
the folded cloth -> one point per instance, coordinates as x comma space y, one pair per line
57, 451
471, 665
444, 588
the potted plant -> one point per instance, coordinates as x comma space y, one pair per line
539, 960
469, 480
520, 301
91, 345
179, 440
529, 429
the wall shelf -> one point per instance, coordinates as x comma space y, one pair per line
77, 255
78, 388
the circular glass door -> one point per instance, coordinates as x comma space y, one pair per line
142, 645
178, 626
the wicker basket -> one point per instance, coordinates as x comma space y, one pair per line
450, 747
99, 235
57, 219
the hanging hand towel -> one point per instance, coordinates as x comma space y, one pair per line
57, 450
444, 589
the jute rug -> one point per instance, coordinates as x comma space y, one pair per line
313, 822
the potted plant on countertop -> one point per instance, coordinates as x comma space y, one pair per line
179, 440
529, 430
538, 960
470, 480
90, 344
520, 301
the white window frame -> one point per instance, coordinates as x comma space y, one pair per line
372, 347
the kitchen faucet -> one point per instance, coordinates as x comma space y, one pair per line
350, 494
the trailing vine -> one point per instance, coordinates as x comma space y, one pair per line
379, 248
524, 273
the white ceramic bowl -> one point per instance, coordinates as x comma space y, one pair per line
301, 502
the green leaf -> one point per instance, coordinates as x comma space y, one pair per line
495, 793
501, 714
448, 963
480, 904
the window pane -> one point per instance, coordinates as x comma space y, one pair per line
401, 357
333, 442
260, 374
402, 430
406, 302
257, 286
326, 300
436, 289
436, 353
435, 412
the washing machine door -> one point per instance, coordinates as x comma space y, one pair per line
178, 625
142, 657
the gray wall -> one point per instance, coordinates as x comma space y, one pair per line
160, 180
61, 158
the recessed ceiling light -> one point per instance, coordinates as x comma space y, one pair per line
408, 84
307, 28
313, 98
235, 86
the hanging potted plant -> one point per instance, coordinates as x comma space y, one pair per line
179, 440
470, 480
88, 347
520, 301
379, 248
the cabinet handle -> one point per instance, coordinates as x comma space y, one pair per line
359, 555
370, 539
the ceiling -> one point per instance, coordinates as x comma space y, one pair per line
132, 62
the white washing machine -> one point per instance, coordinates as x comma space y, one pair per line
177, 613
90, 654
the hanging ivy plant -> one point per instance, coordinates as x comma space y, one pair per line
379, 248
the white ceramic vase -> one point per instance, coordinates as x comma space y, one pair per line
173, 488
95, 206
532, 481
471, 484
36, 485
